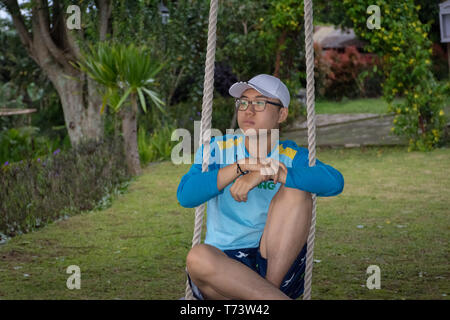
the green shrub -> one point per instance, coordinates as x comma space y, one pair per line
345, 74
223, 110
296, 110
35, 192
186, 113
143, 146
157, 146
25, 143
404, 44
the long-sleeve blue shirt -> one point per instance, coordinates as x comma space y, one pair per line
235, 225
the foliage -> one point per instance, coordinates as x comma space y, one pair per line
9, 98
35, 192
16, 67
126, 73
440, 62
26, 143
242, 41
342, 74
20, 140
122, 70
251, 35
247, 42
286, 14
23, 85
224, 78
223, 110
223, 114
181, 44
158, 146
296, 111
130, 20
186, 113
404, 45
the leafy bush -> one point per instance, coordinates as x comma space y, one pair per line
186, 113
223, 110
404, 44
158, 146
342, 74
296, 110
440, 64
223, 78
25, 142
35, 192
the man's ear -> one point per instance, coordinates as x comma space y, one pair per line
283, 115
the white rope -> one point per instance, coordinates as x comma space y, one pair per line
205, 129
309, 48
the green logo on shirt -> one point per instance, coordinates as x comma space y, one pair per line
266, 185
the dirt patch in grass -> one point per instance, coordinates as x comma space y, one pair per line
15, 256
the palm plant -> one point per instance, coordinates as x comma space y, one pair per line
126, 74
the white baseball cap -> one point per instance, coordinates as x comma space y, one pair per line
267, 85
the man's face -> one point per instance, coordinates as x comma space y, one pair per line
267, 119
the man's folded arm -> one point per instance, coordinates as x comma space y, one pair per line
197, 187
322, 179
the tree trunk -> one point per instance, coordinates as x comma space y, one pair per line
94, 124
281, 42
129, 131
81, 106
53, 47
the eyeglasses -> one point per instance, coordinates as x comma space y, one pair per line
260, 105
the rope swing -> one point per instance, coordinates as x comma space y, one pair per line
205, 128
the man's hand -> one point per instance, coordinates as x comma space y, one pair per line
242, 185
269, 168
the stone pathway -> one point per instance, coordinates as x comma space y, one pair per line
354, 132
348, 130
323, 120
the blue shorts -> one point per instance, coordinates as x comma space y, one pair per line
292, 284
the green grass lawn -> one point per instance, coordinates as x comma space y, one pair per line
136, 248
366, 105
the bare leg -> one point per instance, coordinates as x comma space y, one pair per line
220, 277
286, 231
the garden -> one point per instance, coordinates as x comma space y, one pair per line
90, 98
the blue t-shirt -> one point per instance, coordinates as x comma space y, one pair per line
234, 225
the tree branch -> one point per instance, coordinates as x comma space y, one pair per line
42, 56
68, 40
13, 7
105, 9
57, 19
57, 53
72, 44
174, 87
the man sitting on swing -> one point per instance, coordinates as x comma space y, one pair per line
258, 203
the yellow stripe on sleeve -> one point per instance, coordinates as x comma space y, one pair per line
289, 152
228, 143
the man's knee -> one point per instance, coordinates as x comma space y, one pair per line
200, 261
